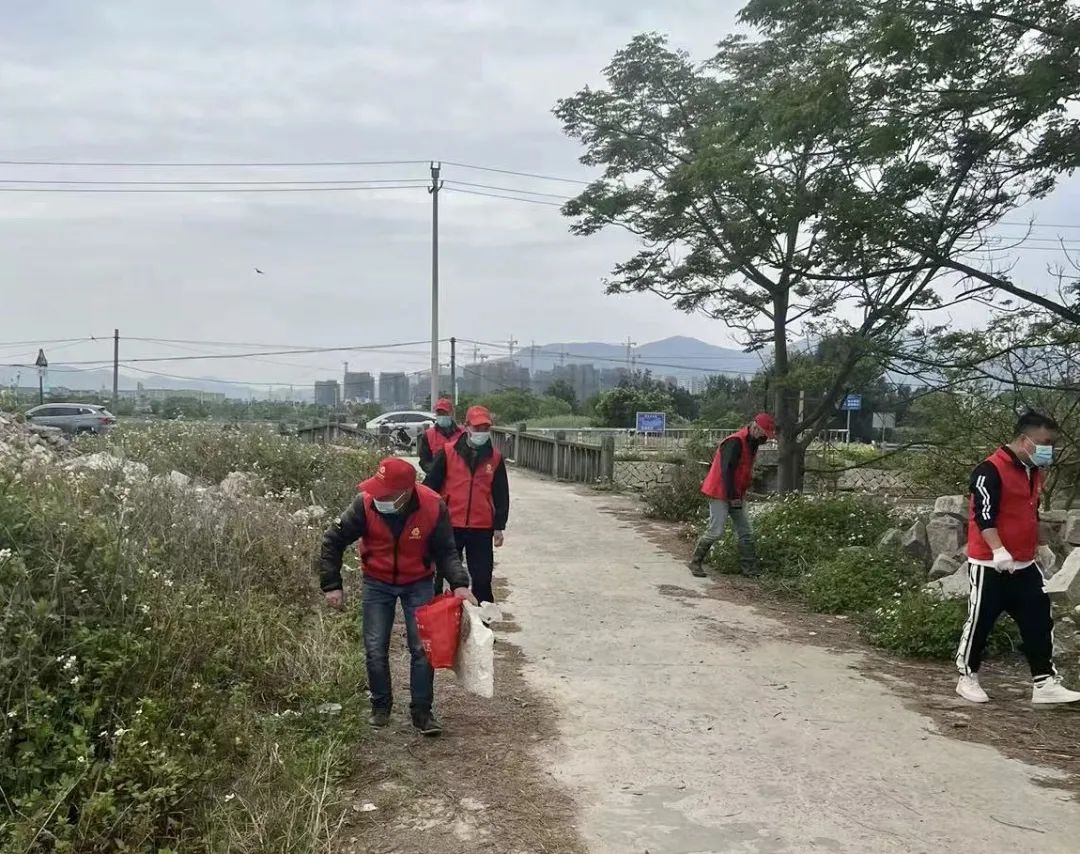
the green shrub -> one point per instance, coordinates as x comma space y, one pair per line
681, 499
856, 579
162, 668
796, 532
920, 625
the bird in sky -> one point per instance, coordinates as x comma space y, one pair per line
260, 272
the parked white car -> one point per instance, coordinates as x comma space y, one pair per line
75, 419
413, 422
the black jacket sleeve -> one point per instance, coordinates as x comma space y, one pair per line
986, 492
342, 534
423, 448
435, 476
444, 553
730, 452
500, 496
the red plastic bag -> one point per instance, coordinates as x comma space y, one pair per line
439, 625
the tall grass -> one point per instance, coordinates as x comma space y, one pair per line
161, 662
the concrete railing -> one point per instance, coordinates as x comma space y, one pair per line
556, 456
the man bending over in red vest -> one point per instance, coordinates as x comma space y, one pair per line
1006, 561
434, 439
471, 477
725, 485
403, 529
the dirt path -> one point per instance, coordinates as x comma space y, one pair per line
690, 724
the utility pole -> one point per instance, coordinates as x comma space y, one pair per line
476, 354
512, 343
436, 185
42, 365
116, 371
453, 370
630, 345
532, 359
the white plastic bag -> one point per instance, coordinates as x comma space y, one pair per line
475, 665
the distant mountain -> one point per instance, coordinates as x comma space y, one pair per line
679, 356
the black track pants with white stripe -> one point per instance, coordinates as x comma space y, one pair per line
1020, 595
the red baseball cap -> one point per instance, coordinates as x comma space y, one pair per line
444, 405
478, 416
767, 423
394, 476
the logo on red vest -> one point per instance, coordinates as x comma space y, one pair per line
489, 469
414, 534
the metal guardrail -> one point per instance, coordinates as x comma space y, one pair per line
557, 456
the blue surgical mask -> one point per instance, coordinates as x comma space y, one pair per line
388, 507
479, 438
444, 420
1042, 455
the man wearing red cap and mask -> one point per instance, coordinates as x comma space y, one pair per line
725, 485
434, 439
404, 532
471, 477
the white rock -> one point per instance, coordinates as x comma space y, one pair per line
308, 515
1070, 533
178, 479
239, 484
329, 709
943, 567
944, 534
891, 539
952, 505
100, 461
913, 541
956, 586
1064, 587
1053, 517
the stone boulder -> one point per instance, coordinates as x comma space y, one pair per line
106, 462
1064, 587
1070, 531
944, 535
955, 586
943, 567
178, 479
241, 484
952, 505
891, 539
914, 542
1054, 517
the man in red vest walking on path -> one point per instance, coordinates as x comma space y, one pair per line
404, 532
445, 432
471, 477
725, 485
1006, 561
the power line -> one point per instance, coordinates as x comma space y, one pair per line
507, 189
156, 164
507, 198
185, 183
514, 172
210, 189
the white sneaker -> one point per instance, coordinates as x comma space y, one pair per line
1051, 691
969, 688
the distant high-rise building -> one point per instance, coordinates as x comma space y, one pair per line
359, 386
612, 377
327, 393
393, 390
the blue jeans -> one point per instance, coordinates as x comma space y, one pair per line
379, 604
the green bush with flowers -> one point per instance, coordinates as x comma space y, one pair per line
163, 668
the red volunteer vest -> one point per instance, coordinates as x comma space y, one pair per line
403, 560
1018, 516
437, 441
713, 487
468, 493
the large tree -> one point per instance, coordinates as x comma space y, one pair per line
792, 186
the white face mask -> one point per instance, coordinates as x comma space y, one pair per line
479, 438
389, 507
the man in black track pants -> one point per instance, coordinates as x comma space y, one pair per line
1004, 558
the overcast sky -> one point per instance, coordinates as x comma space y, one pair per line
460, 80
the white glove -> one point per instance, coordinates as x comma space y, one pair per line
1003, 560
1046, 558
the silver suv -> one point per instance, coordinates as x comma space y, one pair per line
75, 419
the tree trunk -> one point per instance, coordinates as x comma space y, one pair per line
791, 463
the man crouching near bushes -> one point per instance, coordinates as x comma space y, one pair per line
1004, 559
404, 533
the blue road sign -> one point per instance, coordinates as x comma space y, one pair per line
651, 422
852, 403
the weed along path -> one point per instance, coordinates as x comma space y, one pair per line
684, 724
